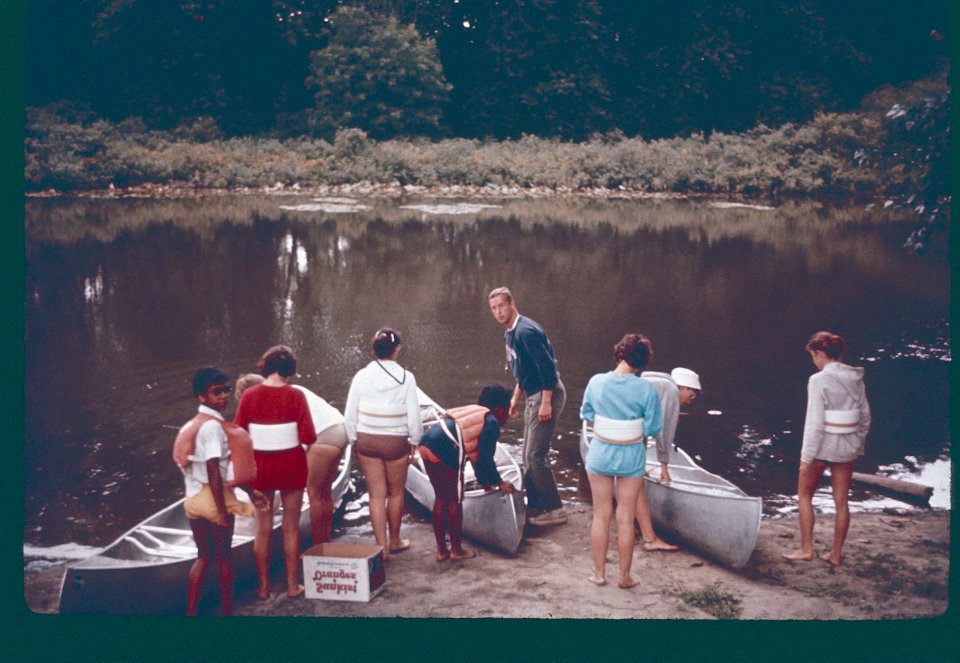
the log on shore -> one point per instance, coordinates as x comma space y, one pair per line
905, 490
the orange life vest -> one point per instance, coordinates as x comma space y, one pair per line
469, 421
241, 448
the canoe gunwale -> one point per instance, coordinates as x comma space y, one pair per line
508, 535
740, 508
97, 579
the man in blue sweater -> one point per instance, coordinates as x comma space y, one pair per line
534, 365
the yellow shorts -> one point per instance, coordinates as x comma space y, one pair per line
202, 505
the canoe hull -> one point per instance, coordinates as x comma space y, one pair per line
123, 579
700, 509
490, 517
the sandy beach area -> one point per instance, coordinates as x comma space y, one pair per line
896, 567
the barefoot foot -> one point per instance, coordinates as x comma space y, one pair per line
399, 546
828, 558
443, 555
659, 544
462, 554
799, 556
263, 593
599, 582
628, 583
294, 593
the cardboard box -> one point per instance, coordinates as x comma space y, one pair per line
344, 571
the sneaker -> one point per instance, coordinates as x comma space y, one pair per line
555, 517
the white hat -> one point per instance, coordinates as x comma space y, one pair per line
684, 377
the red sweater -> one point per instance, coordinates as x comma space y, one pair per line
263, 404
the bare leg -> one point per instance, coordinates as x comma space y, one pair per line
443, 479
439, 525
602, 489
627, 489
651, 541
290, 527
263, 529
201, 535
375, 476
455, 518
323, 460
807, 482
396, 474
840, 476
222, 538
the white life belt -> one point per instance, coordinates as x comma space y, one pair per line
841, 421
274, 437
380, 416
618, 431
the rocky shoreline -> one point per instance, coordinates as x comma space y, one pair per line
372, 190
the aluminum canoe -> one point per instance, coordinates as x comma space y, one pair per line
704, 511
145, 570
490, 517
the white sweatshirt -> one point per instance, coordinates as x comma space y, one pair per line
383, 401
836, 387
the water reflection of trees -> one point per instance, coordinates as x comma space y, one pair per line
140, 294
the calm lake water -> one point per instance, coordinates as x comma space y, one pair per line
124, 299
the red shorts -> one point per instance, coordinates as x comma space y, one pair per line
281, 470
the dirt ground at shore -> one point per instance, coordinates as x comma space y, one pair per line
896, 567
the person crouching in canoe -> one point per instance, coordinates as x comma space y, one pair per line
202, 450
468, 432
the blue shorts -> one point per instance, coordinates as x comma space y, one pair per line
617, 460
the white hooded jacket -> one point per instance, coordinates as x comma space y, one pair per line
836, 387
383, 401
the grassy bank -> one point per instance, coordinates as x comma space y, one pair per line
834, 154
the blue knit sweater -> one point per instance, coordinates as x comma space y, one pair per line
531, 356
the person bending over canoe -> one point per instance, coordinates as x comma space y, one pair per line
323, 457
279, 421
677, 388
468, 432
623, 409
202, 451
834, 433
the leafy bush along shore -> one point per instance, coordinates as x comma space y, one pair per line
68, 150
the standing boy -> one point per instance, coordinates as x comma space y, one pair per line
202, 451
534, 365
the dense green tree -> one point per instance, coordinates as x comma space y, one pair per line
59, 58
547, 60
563, 68
684, 65
376, 75
172, 60
915, 153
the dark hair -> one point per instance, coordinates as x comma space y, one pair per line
832, 345
384, 342
278, 359
635, 349
205, 376
494, 396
